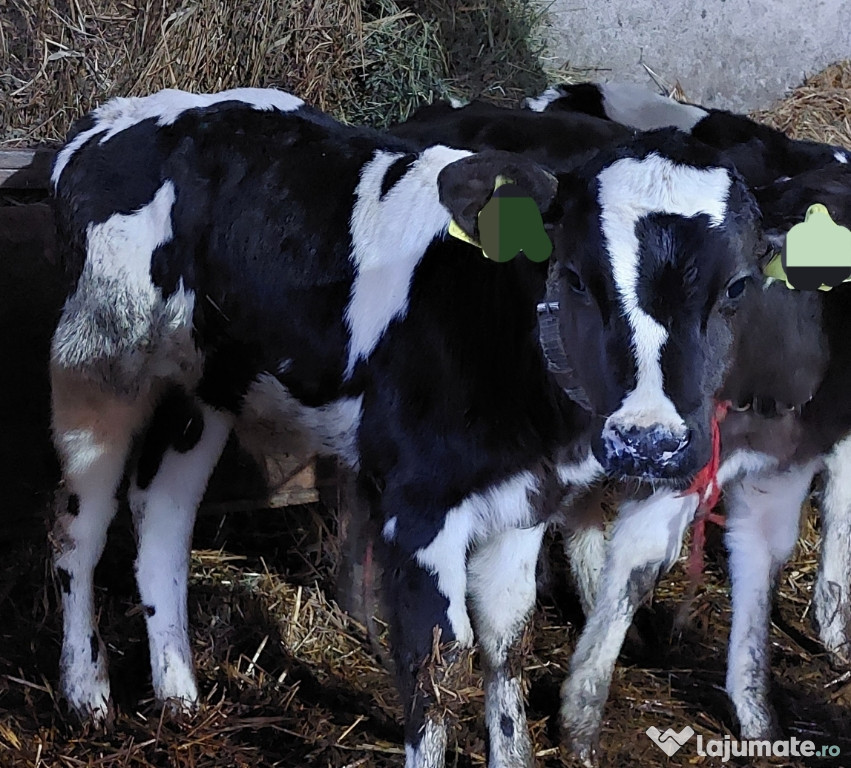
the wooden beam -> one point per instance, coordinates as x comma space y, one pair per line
25, 168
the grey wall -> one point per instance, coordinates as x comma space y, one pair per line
734, 54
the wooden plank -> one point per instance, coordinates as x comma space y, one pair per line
25, 168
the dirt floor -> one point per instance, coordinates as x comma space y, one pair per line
288, 680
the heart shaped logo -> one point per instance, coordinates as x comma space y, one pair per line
670, 741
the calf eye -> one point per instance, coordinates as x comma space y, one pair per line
737, 287
573, 280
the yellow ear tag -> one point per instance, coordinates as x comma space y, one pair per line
456, 231
455, 228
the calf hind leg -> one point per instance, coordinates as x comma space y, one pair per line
182, 446
502, 593
92, 432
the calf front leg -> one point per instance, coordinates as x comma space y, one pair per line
92, 432
832, 596
431, 633
763, 516
585, 545
645, 542
183, 445
502, 595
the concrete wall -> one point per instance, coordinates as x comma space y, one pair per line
733, 54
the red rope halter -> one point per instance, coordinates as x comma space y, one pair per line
706, 485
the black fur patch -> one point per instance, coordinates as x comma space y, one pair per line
149, 610
506, 725
73, 505
177, 423
64, 580
395, 172
582, 97
94, 644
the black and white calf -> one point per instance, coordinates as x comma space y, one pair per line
239, 258
788, 386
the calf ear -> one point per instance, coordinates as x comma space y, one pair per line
466, 185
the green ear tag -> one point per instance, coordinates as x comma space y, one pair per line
817, 252
509, 223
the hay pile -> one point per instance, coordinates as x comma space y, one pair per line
820, 110
369, 62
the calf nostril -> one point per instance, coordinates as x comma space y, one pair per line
668, 444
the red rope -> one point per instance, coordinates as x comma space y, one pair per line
705, 484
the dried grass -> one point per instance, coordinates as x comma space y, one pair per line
819, 110
362, 61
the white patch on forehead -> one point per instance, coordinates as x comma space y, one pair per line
840, 157
540, 103
124, 243
635, 106
390, 234
629, 190
166, 106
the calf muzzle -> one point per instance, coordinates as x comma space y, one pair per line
645, 452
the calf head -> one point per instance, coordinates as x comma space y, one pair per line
655, 244
656, 249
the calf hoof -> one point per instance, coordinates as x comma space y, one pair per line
84, 682
90, 704
580, 752
179, 707
582, 703
834, 636
174, 684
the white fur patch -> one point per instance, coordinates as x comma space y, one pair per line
273, 418
479, 516
840, 157
122, 245
540, 103
629, 190
164, 515
389, 237
744, 462
166, 106
502, 586
389, 530
446, 558
586, 548
431, 751
585, 472
637, 107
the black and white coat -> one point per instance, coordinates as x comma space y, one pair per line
239, 258
788, 385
